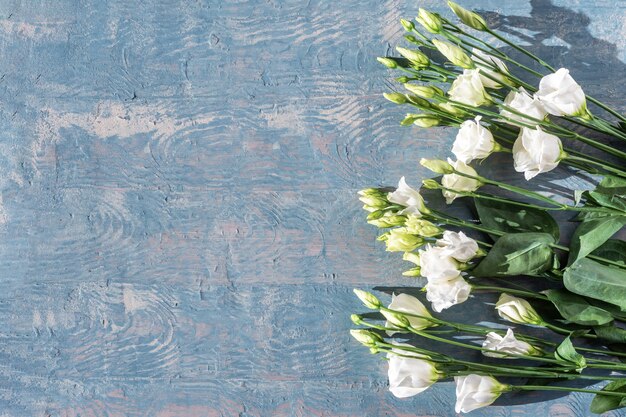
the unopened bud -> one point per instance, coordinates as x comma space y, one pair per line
431, 21
388, 220
426, 120
366, 337
422, 227
430, 184
403, 79
454, 54
438, 166
471, 19
413, 272
395, 97
369, 299
413, 40
356, 319
397, 319
407, 25
412, 257
424, 91
388, 62
417, 58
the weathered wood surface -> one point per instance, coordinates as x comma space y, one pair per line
179, 233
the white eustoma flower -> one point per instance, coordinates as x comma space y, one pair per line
445, 294
476, 391
517, 310
561, 95
468, 89
473, 141
409, 376
409, 198
437, 265
490, 66
536, 151
458, 245
507, 344
406, 303
524, 103
456, 182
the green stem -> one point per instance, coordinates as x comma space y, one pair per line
567, 389
510, 291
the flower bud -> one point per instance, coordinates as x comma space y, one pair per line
396, 319
412, 257
417, 58
413, 272
451, 109
508, 345
369, 299
356, 319
471, 19
419, 102
424, 91
430, 184
460, 183
476, 391
454, 54
403, 79
405, 303
374, 350
426, 120
366, 337
407, 25
431, 21
413, 40
438, 166
517, 310
388, 62
389, 219
373, 198
395, 97
422, 227
400, 240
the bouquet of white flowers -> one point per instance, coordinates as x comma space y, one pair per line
496, 111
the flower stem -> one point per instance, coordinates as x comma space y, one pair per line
566, 389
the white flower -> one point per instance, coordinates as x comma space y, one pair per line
517, 310
409, 198
445, 294
561, 95
468, 89
491, 66
458, 245
458, 182
409, 376
408, 304
476, 391
507, 344
437, 265
536, 151
473, 141
524, 103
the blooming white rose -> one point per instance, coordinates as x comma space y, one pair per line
561, 95
409, 198
437, 265
473, 141
517, 310
468, 89
456, 182
492, 67
476, 391
445, 294
536, 151
458, 245
409, 376
524, 103
507, 344
406, 303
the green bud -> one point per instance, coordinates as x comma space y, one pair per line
407, 25
395, 97
373, 198
396, 319
419, 102
369, 299
383, 237
481, 252
438, 166
374, 350
412, 257
431, 21
426, 120
424, 91
413, 40
403, 79
388, 62
471, 19
430, 184
452, 109
356, 319
388, 220
454, 54
366, 337
400, 240
422, 227
413, 272
417, 58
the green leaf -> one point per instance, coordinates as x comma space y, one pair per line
603, 403
611, 334
612, 185
613, 201
510, 218
613, 250
565, 352
595, 280
590, 234
518, 254
575, 309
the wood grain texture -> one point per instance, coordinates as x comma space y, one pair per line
179, 232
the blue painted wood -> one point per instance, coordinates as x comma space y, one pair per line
179, 233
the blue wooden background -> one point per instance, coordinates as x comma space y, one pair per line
179, 232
